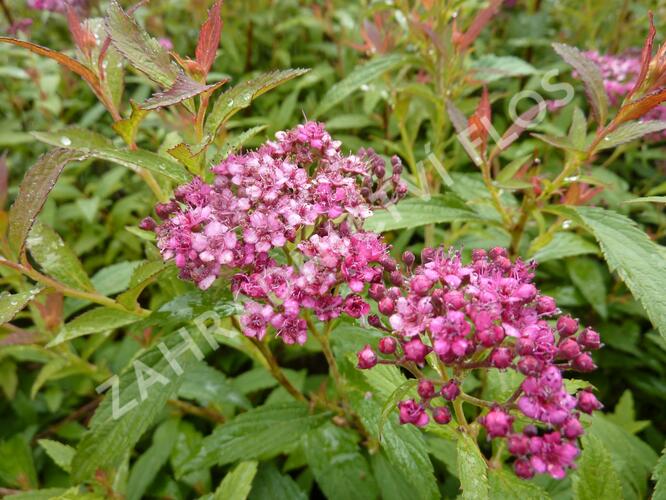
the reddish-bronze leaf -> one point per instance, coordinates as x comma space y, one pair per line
480, 120
83, 39
463, 41
637, 109
646, 55
209, 38
71, 64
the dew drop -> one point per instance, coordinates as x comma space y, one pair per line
65, 141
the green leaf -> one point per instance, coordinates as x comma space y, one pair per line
624, 414
242, 95
142, 276
595, 476
337, 463
207, 385
648, 199
659, 477
361, 75
56, 259
100, 319
236, 142
147, 466
489, 68
237, 484
472, 470
118, 425
415, 212
507, 173
565, 244
259, 433
34, 189
12, 303
631, 131
639, 261
60, 453
269, 484
98, 146
559, 142
504, 483
586, 274
16, 465
128, 127
44, 494
590, 74
142, 51
392, 482
184, 155
632, 459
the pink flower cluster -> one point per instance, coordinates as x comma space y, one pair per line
301, 194
487, 315
620, 73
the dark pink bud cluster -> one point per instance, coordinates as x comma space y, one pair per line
488, 314
301, 194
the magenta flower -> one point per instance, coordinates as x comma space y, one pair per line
412, 412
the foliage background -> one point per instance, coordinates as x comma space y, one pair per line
48, 393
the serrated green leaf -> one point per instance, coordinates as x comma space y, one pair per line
100, 319
98, 146
505, 484
269, 484
147, 466
142, 51
624, 414
415, 212
12, 303
509, 171
490, 67
242, 95
259, 433
111, 436
472, 470
56, 259
183, 88
143, 275
648, 199
337, 463
639, 261
44, 494
565, 244
60, 453
33, 191
591, 76
17, 468
237, 484
207, 385
361, 75
633, 460
659, 477
392, 482
595, 476
236, 142
631, 131
558, 142
586, 274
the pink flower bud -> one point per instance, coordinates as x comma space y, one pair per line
523, 469
529, 365
387, 345
587, 402
450, 390
376, 291
572, 428
366, 358
589, 339
420, 285
408, 258
497, 423
567, 326
546, 305
441, 415
415, 350
355, 306
526, 292
386, 306
412, 413
568, 349
518, 444
426, 389
501, 357
583, 363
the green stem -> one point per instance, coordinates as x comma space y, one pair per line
277, 372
